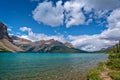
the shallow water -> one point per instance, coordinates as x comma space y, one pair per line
35, 66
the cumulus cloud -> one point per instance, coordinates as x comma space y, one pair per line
49, 14
114, 19
102, 4
54, 15
25, 29
113, 30
74, 15
36, 37
91, 43
106, 39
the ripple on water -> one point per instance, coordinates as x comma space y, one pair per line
47, 66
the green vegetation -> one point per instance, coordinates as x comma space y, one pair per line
115, 75
114, 58
93, 74
113, 64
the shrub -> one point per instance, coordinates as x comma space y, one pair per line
93, 74
115, 75
114, 64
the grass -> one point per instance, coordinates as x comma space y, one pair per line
114, 62
115, 75
93, 74
114, 56
100, 66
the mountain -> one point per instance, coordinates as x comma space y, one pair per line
51, 45
15, 44
68, 45
19, 41
6, 44
4, 33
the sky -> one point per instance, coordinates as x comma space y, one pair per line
89, 25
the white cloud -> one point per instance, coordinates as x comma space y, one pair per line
36, 37
114, 19
25, 29
106, 39
74, 15
49, 14
113, 31
111, 34
9, 29
103, 4
91, 43
52, 15
89, 21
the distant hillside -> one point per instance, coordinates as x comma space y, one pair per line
65, 49
110, 49
116, 48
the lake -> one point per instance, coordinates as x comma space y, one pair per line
47, 66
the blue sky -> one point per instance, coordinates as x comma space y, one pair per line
84, 23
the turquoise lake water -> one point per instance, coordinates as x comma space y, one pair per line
35, 66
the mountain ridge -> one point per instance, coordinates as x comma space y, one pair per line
16, 44
51, 45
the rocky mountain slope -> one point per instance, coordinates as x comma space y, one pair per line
3, 32
20, 41
51, 45
6, 41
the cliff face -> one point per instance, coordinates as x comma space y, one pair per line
4, 33
6, 41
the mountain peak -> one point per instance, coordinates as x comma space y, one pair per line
4, 33
68, 45
6, 42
